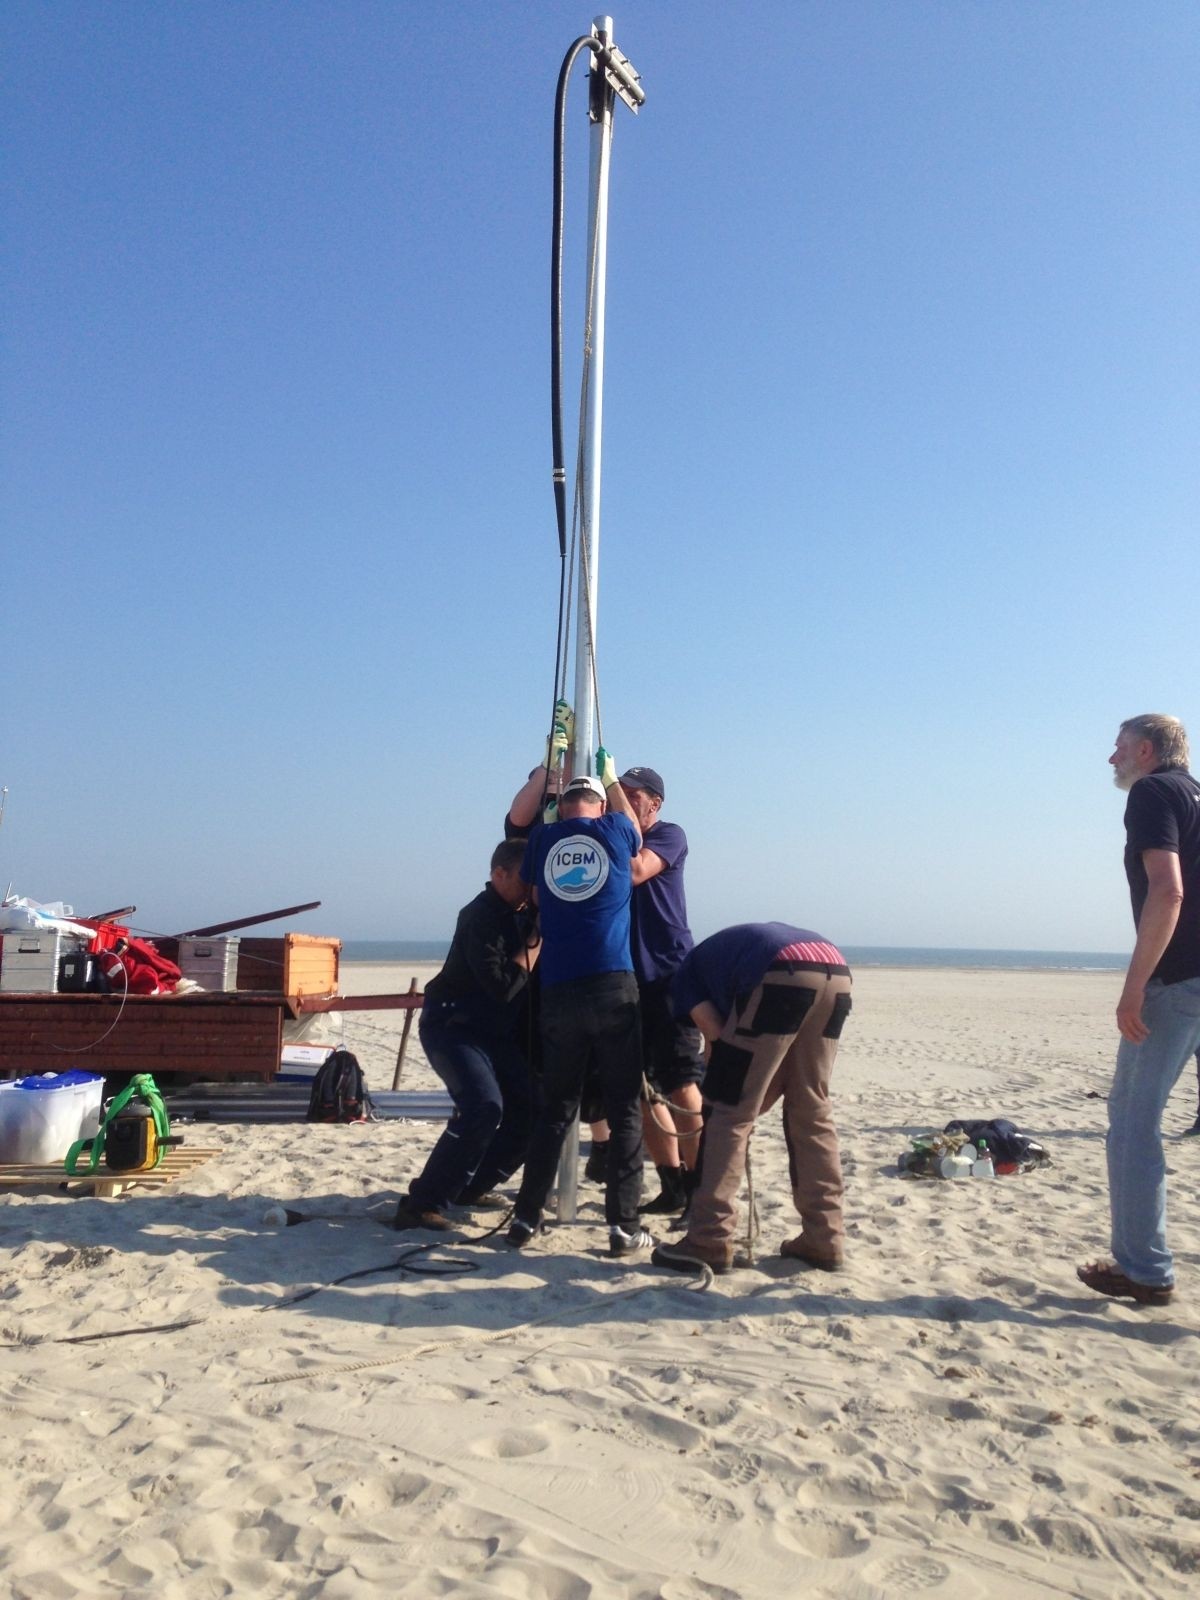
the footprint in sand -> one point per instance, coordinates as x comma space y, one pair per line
512, 1445
907, 1574
824, 1541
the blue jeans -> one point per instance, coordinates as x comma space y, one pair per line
490, 1084
1137, 1170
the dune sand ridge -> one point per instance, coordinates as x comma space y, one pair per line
950, 1413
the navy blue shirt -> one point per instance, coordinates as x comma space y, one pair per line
726, 968
1163, 813
581, 870
659, 933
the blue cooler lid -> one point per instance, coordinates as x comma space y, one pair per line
64, 1080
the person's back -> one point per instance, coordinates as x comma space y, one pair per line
579, 869
772, 999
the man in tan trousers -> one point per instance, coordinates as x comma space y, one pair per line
771, 1000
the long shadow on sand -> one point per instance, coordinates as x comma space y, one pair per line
487, 1287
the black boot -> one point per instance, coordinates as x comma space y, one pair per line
673, 1195
595, 1168
691, 1180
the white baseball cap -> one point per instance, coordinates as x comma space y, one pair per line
584, 785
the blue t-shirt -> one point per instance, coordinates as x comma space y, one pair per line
659, 934
581, 872
726, 968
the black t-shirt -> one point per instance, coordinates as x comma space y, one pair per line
1163, 813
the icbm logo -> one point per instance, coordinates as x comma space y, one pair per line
577, 868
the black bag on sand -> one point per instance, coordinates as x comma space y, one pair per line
339, 1091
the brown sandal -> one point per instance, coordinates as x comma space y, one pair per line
1105, 1277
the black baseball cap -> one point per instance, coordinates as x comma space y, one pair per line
643, 778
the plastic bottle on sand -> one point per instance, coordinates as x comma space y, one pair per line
983, 1166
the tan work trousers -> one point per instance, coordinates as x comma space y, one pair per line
796, 1065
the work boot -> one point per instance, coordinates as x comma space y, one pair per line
799, 1249
520, 1233
595, 1168
411, 1214
489, 1201
673, 1195
691, 1182
685, 1257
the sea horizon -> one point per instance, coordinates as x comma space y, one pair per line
358, 950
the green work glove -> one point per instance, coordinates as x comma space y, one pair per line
564, 718
550, 814
605, 770
557, 745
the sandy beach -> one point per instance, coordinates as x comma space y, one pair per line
951, 1412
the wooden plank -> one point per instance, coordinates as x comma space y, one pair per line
360, 1002
247, 922
176, 1163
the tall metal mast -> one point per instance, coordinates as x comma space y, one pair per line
611, 76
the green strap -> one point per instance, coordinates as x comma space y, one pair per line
144, 1087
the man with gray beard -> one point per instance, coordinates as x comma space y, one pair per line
1158, 1014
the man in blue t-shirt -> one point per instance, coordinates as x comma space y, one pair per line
580, 871
771, 1000
672, 1049
1158, 1014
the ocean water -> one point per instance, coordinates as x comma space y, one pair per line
857, 955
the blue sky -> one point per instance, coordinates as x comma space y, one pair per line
900, 453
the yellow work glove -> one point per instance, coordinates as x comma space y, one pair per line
559, 741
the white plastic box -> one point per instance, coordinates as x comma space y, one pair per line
212, 963
30, 960
39, 1125
300, 1063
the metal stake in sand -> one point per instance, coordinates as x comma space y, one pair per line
610, 75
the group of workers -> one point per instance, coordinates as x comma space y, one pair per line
573, 979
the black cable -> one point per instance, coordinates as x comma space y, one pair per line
585, 42
402, 1264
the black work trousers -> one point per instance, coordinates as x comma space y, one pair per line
589, 1023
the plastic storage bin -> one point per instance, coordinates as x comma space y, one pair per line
42, 1117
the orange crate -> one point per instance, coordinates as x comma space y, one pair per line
298, 964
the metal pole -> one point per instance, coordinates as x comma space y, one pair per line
600, 110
